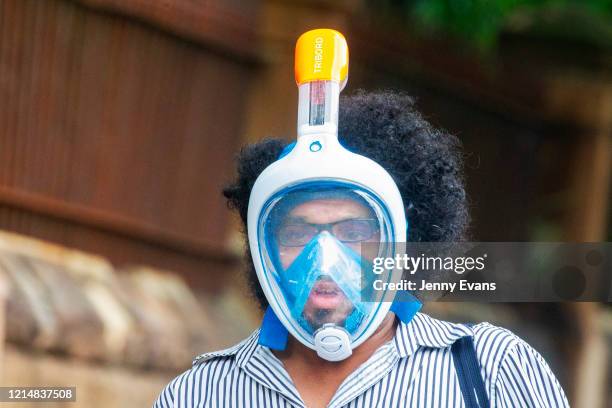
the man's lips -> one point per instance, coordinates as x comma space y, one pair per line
326, 294
326, 288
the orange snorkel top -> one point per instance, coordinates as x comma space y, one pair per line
321, 55
321, 72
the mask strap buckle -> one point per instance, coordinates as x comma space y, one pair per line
406, 307
272, 333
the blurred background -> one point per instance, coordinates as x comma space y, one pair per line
120, 120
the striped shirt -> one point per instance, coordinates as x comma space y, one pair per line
415, 369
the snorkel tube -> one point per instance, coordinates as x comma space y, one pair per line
321, 72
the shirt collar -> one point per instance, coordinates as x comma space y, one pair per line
425, 331
241, 351
244, 354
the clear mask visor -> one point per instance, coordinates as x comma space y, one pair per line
311, 239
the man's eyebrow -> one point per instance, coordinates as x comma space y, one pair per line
295, 219
303, 220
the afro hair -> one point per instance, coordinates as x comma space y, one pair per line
426, 164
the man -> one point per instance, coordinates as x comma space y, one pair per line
399, 364
355, 185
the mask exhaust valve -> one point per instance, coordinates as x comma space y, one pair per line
332, 343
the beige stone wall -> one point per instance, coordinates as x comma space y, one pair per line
72, 319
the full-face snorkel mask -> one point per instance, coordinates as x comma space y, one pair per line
311, 211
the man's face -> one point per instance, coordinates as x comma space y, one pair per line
344, 218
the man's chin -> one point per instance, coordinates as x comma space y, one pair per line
317, 317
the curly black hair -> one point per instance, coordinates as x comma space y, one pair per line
426, 164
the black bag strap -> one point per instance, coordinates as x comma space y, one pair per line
468, 373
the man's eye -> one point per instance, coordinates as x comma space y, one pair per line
354, 230
353, 235
294, 234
